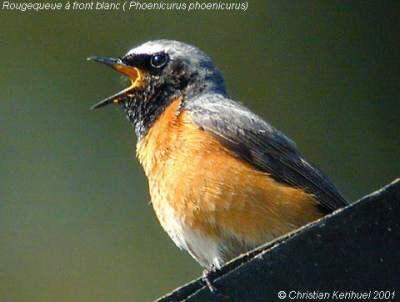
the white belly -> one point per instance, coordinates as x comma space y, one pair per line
204, 249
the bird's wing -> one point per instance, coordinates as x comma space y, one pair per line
258, 143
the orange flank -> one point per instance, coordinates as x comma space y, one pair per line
212, 191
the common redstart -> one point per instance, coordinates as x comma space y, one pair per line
222, 180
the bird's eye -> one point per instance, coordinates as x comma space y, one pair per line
159, 60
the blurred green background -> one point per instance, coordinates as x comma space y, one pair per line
75, 219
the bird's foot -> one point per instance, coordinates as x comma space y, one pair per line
207, 278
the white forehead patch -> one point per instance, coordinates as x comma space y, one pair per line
173, 48
148, 48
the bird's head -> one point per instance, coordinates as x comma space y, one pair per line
160, 71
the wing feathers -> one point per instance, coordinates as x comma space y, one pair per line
258, 143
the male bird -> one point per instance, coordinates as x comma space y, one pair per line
222, 180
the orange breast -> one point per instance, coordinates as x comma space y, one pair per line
212, 191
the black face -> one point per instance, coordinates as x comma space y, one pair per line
157, 80
153, 63
166, 80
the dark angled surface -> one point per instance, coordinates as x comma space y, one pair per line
352, 249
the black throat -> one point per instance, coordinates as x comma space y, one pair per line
148, 103
143, 109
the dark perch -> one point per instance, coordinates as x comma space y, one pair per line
353, 249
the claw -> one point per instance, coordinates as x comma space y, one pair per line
207, 279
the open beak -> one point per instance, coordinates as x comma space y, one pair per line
135, 74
